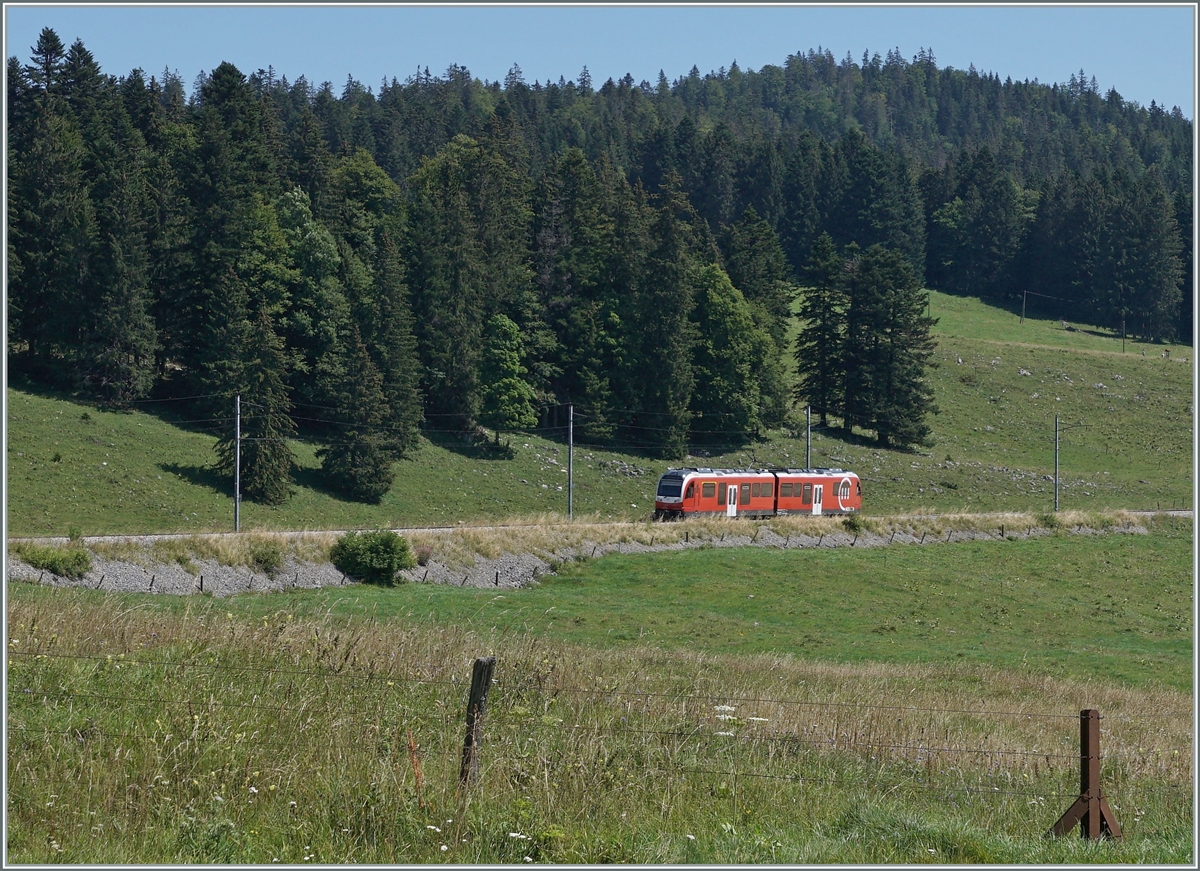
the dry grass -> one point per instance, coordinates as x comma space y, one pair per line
551, 536
201, 736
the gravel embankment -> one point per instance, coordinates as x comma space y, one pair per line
508, 571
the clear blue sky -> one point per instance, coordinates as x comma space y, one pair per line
1146, 52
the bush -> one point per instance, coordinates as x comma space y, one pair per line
852, 523
373, 557
266, 556
66, 562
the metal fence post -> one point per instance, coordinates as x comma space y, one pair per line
1091, 809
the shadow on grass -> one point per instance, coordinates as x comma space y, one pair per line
467, 445
202, 476
314, 479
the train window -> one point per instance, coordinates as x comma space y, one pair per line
708, 489
721, 495
845, 489
670, 486
767, 488
785, 489
860, 488
754, 490
691, 490
807, 500
745, 494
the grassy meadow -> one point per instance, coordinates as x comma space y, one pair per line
888, 705
899, 704
73, 466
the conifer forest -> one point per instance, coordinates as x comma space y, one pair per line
452, 254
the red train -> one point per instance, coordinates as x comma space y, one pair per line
756, 492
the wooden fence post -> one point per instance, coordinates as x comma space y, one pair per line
1091, 809
481, 681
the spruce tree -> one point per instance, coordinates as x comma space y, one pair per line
507, 400
447, 268
254, 367
887, 349
661, 322
574, 240
357, 463
727, 360
820, 344
52, 218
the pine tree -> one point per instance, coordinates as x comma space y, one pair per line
507, 400
820, 344
254, 367
575, 238
357, 462
727, 360
52, 219
48, 58
758, 268
887, 349
117, 357
447, 272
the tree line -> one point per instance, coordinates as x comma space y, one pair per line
452, 253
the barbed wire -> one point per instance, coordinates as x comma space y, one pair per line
631, 694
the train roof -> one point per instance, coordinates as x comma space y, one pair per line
768, 471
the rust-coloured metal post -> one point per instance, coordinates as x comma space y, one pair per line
481, 681
1091, 809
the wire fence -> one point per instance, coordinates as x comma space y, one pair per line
755, 748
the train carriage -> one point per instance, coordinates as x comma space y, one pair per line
752, 493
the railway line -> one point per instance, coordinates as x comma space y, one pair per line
449, 528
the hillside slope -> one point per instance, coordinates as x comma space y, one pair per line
73, 466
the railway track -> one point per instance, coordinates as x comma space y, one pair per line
168, 536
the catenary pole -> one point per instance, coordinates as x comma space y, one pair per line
1056, 462
808, 437
237, 462
570, 462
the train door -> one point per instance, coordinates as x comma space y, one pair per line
731, 502
817, 490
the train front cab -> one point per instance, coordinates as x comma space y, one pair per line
685, 492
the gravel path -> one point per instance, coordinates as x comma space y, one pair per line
508, 571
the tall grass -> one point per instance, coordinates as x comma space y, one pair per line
196, 735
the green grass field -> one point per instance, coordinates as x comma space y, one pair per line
73, 466
896, 705
887, 705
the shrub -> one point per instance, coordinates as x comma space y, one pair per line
266, 555
424, 554
852, 523
373, 557
66, 562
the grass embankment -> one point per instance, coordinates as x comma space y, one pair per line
74, 466
264, 727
